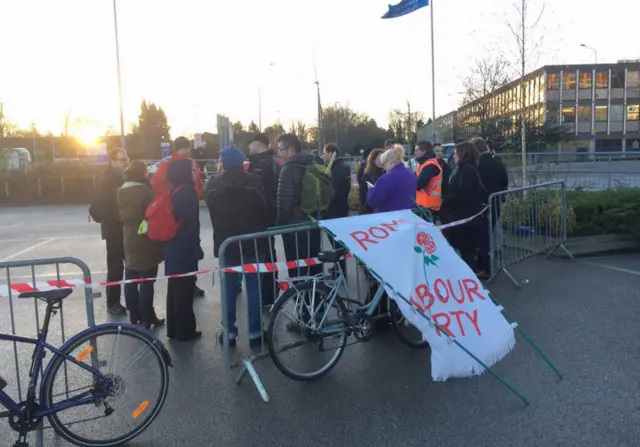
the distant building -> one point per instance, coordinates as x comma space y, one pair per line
598, 106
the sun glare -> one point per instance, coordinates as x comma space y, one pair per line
86, 135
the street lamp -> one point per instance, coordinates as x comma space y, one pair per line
271, 64
595, 52
123, 140
592, 145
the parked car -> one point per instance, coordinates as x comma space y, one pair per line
153, 168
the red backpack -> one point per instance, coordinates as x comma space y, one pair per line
161, 224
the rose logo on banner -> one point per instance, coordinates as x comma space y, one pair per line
439, 286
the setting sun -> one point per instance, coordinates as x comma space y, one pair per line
86, 135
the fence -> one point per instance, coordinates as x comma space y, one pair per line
578, 170
526, 222
256, 254
11, 293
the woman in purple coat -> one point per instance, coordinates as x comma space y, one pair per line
396, 188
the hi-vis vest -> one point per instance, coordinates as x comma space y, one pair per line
431, 196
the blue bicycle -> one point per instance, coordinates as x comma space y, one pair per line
91, 392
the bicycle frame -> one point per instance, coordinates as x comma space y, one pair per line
39, 353
368, 309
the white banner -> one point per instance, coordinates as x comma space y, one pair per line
414, 258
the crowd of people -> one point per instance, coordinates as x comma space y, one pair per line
272, 190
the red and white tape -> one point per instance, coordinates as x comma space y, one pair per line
267, 267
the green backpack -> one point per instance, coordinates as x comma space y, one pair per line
317, 189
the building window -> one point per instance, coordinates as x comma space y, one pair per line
633, 78
552, 115
601, 113
553, 81
617, 78
585, 80
633, 112
584, 114
602, 79
569, 80
617, 113
569, 115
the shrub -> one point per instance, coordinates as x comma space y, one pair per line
542, 212
614, 211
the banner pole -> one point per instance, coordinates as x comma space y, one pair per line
526, 337
433, 78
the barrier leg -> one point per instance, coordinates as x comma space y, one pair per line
511, 277
248, 368
561, 246
39, 437
526, 337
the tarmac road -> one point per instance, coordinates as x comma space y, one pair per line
584, 315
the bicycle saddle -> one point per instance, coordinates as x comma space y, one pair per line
50, 296
332, 255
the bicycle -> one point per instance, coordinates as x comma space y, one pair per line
104, 392
313, 298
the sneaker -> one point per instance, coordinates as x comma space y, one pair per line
198, 292
255, 342
118, 309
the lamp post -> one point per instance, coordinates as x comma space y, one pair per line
271, 64
592, 142
123, 140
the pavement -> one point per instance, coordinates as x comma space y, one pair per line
583, 314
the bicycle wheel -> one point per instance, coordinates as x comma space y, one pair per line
318, 332
406, 332
123, 404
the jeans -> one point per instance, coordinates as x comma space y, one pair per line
253, 290
139, 297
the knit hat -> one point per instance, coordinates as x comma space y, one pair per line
231, 157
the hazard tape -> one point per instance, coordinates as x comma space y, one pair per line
268, 267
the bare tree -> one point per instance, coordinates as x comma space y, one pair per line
529, 43
67, 122
7, 128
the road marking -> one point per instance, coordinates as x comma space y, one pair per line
52, 275
611, 267
21, 252
46, 239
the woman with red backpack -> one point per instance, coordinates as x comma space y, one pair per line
182, 252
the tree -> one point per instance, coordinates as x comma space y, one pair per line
238, 128
523, 29
151, 130
486, 76
274, 131
253, 128
405, 125
7, 129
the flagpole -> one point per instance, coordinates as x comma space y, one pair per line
433, 77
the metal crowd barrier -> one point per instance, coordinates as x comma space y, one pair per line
296, 242
524, 222
32, 264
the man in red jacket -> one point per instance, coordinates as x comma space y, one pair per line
160, 184
181, 149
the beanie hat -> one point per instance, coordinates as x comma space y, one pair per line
231, 157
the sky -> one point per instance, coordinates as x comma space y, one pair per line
197, 58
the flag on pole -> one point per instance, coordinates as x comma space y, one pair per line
404, 7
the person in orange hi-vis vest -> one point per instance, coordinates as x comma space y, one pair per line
160, 184
181, 149
429, 174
